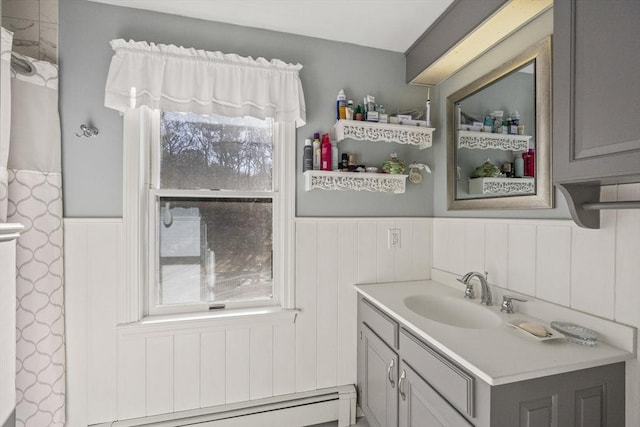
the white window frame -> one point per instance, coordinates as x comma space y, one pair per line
140, 130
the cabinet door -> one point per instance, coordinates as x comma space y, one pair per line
420, 405
596, 58
378, 395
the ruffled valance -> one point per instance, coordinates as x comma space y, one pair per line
179, 79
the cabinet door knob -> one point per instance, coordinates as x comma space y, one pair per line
400, 388
390, 374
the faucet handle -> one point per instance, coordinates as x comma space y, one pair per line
468, 290
507, 303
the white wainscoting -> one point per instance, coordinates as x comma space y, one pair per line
118, 374
593, 271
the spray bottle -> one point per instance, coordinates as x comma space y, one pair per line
325, 153
307, 156
316, 151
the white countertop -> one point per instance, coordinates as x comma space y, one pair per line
499, 355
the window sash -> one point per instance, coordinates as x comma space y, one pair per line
154, 195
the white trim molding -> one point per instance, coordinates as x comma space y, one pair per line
306, 408
135, 153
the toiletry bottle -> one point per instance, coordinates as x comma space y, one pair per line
515, 118
518, 166
316, 151
358, 115
325, 155
307, 156
334, 157
383, 117
525, 163
532, 163
341, 105
515, 121
344, 164
350, 111
351, 162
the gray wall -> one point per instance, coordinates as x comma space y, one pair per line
503, 52
93, 167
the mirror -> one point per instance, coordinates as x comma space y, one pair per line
499, 136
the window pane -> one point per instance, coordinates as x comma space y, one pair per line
215, 152
214, 250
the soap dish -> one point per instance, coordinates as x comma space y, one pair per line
551, 335
576, 334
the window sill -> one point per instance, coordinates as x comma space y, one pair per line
212, 320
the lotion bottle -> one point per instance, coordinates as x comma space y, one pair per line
518, 166
334, 157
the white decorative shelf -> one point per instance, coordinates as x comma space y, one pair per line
359, 181
502, 186
498, 141
372, 131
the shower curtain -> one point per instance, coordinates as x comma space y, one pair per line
6, 39
35, 201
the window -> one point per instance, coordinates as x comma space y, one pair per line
215, 213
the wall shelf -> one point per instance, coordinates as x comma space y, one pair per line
374, 132
502, 186
496, 141
358, 181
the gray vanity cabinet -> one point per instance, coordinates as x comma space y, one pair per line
403, 381
377, 366
420, 405
393, 394
378, 396
587, 398
596, 58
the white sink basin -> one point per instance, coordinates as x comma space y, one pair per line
453, 312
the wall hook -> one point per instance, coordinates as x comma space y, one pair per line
87, 131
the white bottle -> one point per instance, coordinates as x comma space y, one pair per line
341, 105
316, 151
334, 156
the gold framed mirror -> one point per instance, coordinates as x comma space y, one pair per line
499, 136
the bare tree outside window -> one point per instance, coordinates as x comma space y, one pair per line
216, 152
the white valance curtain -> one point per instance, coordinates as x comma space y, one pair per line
179, 79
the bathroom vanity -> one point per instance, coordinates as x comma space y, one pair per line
415, 368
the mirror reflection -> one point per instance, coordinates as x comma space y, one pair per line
495, 138
499, 136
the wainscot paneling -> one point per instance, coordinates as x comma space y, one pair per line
592, 271
93, 260
119, 372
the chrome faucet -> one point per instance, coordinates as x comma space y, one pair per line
485, 296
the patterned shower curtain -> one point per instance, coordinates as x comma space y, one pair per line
35, 200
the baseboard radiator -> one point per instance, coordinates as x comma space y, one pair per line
291, 410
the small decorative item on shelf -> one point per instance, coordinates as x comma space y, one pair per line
393, 165
487, 169
415, 177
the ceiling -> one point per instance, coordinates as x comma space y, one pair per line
384, 24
